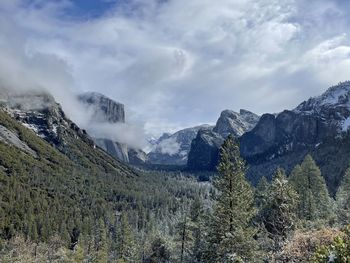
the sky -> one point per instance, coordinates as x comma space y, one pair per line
176, 63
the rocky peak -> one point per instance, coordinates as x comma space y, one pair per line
231, 122
336, 96
40, 112
104, 109
333, 106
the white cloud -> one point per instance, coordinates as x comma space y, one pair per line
177, 63
169, 146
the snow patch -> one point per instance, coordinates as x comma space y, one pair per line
346, 124
31, 127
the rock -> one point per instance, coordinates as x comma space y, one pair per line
104, 109
39, 112
137, 157
116, 149
204, 153
11, 138
231, 122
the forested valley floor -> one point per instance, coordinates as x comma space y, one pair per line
82, 206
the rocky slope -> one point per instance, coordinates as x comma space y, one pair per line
204, 153
318, 126
40, 114
173, 149
107, 111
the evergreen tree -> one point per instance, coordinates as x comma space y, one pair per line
126, 247
315, 202
231, 235
159, 252
261, 192
279, 213
198, 230
102, 246
185, 237
78, 254
343, 199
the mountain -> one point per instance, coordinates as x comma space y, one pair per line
204, 152
104, 109
173, 149
107, 111
318, 126
40, 113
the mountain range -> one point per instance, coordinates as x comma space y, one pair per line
319, 126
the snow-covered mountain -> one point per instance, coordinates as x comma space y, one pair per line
319, 126
333, 106
173, 149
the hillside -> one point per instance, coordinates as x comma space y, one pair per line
66, 186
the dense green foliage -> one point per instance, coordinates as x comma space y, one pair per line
278, 214
343, 199
315, 202
79, 195
75, 203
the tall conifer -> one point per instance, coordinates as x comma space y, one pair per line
231, 235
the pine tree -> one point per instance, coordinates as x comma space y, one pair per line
343, 199
231, 235
102, 246
279, 213
126, 247
184, 237
78, 254
315, 202
198, 229
261, 192
159, 252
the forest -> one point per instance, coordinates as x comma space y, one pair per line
52, 210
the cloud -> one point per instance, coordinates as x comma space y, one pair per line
130, 134
169, 146
178, 63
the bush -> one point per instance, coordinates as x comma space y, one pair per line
338, 251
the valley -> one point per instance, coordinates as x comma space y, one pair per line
67, 187
174, 131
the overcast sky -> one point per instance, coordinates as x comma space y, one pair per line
177, 63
